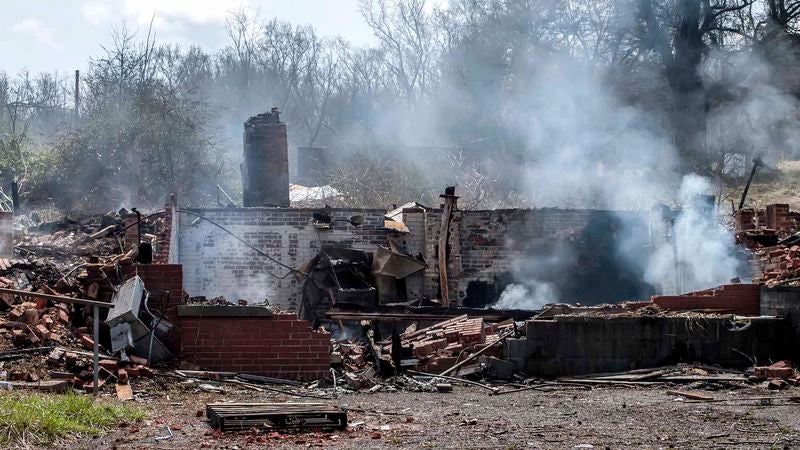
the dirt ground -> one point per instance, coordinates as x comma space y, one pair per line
469, 417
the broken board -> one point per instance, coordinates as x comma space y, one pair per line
244, 416
54, 386
124, 392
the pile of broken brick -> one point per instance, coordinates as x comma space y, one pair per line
47, 343
439, 347
778, 265
41, 344
452, 345
109, 235
772, 235
778, 375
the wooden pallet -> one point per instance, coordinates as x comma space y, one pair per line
244, 416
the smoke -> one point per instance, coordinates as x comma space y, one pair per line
701, 253
532, 295
588, 149
761, 119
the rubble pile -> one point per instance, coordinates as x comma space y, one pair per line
28, 274
778, 265
105, 237
772, 236
97, 281
83, 257
40, 343
441, 346
778, 375
351, 355
46, 341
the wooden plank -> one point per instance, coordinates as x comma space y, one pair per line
691, 395
56, 386
124, 392
57, 298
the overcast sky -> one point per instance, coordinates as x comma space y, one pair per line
61, 35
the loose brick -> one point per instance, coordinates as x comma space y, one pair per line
87, 342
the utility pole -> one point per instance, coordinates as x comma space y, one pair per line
77, 94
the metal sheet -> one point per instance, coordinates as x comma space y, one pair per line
394, 264
127, 302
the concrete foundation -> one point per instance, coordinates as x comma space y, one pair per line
580, 345
784, 302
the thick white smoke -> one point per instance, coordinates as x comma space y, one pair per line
700, 254
588, 149
534, 294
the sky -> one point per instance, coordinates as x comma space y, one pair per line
61, 35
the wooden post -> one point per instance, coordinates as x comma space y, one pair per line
444, 232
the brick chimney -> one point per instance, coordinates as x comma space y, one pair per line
265, 170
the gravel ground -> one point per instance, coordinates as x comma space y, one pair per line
468, 417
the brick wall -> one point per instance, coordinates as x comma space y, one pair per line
485, 244
777, 215
159, 278
415, 244
6, 234
742, 299
215, 263
281, 346
744, 219
165, 252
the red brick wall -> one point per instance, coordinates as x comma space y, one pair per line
742, 299
165, 232
745, 219
280, 346
158, 278
777, 215
164, 239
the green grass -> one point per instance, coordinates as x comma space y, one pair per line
36, 419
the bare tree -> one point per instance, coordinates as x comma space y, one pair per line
406, 31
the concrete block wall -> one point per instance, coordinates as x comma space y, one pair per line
784, 301
6, 234
484, 244
215, 263
571, 345
280, 346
